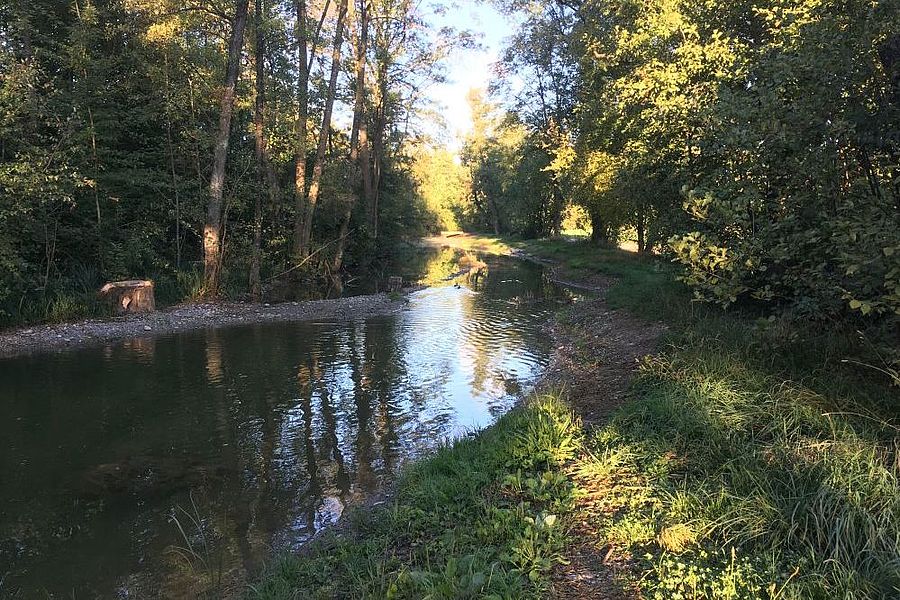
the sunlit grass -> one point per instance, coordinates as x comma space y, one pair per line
481, 518
794, 488
471, 243
753, 460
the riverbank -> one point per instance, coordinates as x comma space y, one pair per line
736, 457
188, 317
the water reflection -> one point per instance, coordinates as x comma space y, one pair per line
175, 466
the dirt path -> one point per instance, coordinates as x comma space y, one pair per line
187, 317
597, 353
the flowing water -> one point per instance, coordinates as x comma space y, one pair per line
175, 466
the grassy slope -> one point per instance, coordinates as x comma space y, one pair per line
750, 462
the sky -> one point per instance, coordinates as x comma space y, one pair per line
470, 68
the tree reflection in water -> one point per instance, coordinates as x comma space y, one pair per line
253, 437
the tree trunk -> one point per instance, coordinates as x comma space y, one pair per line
312, 197
171, 149
212, 229
495, 215
641, 230
557, 208
359, 153
598, 230
302, 116
265, 171
128, 297
379, 125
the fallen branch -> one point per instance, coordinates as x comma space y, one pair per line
306, 260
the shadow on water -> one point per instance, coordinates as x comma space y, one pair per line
175, 466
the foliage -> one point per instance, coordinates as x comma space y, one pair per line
443, 185
108, 114
753, 142
757, 457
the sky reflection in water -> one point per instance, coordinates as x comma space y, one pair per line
252, 438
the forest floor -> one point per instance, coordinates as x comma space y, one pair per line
675, 450
187, 317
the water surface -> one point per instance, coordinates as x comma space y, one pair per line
175, 466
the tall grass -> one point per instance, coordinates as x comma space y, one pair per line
758, 457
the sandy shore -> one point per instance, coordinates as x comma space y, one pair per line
188, 317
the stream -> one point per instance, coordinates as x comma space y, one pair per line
176, 466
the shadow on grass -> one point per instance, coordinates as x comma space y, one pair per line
752, 461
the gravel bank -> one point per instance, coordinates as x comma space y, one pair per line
188, 317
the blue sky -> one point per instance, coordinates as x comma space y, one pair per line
471, 68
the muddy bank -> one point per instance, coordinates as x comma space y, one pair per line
187, 317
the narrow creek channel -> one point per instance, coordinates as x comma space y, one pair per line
168, 467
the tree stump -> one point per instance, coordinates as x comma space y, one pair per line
128, 297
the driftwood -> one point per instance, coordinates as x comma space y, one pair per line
127, 297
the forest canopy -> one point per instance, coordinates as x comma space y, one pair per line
209, 145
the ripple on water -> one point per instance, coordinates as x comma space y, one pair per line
264, 434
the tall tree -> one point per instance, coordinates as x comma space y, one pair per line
267, 183
359, 138
312, 196
212, 229
302, 38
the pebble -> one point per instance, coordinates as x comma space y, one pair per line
147, 328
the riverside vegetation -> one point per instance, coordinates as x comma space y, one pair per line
753, 458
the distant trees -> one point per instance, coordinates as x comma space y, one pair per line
513, 148
445, 187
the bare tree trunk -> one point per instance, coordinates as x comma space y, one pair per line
302, 116
641, 229
598, 229
557, 208
379, 124
212, 229
265, 173
312, 196
359, 151
171, 149
495, 215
